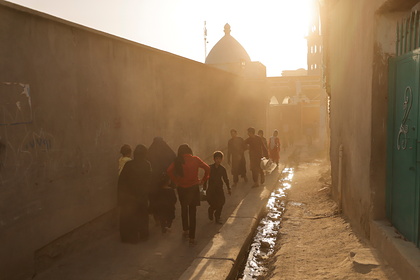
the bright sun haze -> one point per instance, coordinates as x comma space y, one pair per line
271, 31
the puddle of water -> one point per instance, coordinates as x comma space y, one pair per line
294, 203
263, 244
315, 162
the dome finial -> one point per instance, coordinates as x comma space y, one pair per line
227, 29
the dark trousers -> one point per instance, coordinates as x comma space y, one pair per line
165, 215
216, 200
216, 211
189, 199
258, 173
165, 223
188, 215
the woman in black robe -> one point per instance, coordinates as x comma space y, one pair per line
165, 203
160, 156
133, 191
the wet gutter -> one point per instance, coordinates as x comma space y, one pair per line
263, 244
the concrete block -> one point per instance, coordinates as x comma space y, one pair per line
402, 255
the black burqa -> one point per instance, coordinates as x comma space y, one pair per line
165, 207
133, 191
160, 156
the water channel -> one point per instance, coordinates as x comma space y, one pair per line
263, 245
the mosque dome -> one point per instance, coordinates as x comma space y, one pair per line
227, 50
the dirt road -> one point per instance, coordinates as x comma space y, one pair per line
315, 241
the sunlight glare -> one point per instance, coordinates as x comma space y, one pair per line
272, 32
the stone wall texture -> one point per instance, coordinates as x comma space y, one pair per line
70, 97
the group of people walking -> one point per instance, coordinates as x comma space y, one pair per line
258, 148
148, 179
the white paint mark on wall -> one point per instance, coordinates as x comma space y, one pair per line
15, 103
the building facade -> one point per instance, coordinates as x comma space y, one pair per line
370, 105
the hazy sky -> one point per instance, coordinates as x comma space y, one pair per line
272, 31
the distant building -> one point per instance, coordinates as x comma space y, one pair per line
229, 55
299, 102
298, 72
292, 103
314, 41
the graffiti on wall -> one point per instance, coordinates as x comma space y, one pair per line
19, 151
25, 154
15, 103
39, 141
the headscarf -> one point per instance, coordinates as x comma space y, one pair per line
140, 152
160, 156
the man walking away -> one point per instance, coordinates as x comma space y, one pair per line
257, 150
236, 157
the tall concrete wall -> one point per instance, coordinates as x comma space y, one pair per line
69, 98
384, 48
349, 50
360, 38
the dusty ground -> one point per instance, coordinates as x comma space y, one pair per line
315, 241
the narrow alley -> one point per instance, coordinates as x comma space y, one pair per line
163, 256
315, 241
330, 86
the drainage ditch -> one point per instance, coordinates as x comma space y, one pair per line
263, 245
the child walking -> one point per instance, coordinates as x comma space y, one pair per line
165, 203
214, 187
